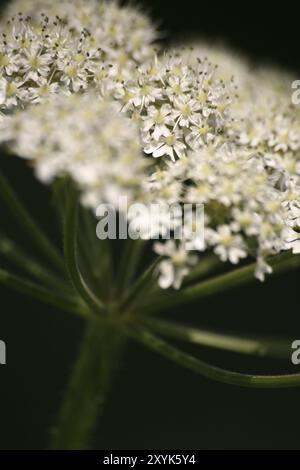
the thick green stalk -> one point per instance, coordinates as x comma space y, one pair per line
207, 370
26, 222
40, 293
89, 385
70, 247
235, 278
267, 347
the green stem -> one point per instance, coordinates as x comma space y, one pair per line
207, 370
206, 265
106, 275
40, 293
70, 246
28, 224
270, 347
128, 264
59, 197
12, 253
86, 263
237, 277
89, 386
140, 285
99, 255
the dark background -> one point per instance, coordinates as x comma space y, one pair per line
155, 404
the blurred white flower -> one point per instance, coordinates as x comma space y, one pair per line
82, 137
227, 245
262, 268
176, 265
292, 240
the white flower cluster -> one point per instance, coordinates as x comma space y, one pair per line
84, 138
271, 127
178, 106
46, 56
37, 61
231, 64
159, 129
246, 205
190, 116
124, 34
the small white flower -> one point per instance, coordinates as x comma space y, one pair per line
262, 268
202, 133
186, 110
292, 240
36, 65
10, 92
246, 221
294, 216
170, 144
173, 269
143, 93
228, 246
157, 121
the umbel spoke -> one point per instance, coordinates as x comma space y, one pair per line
40, 293
26, 222
261, 346
16, 256
207, 370
70, 248
235, 278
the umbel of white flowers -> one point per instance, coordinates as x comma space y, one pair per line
124, 34
173, 127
